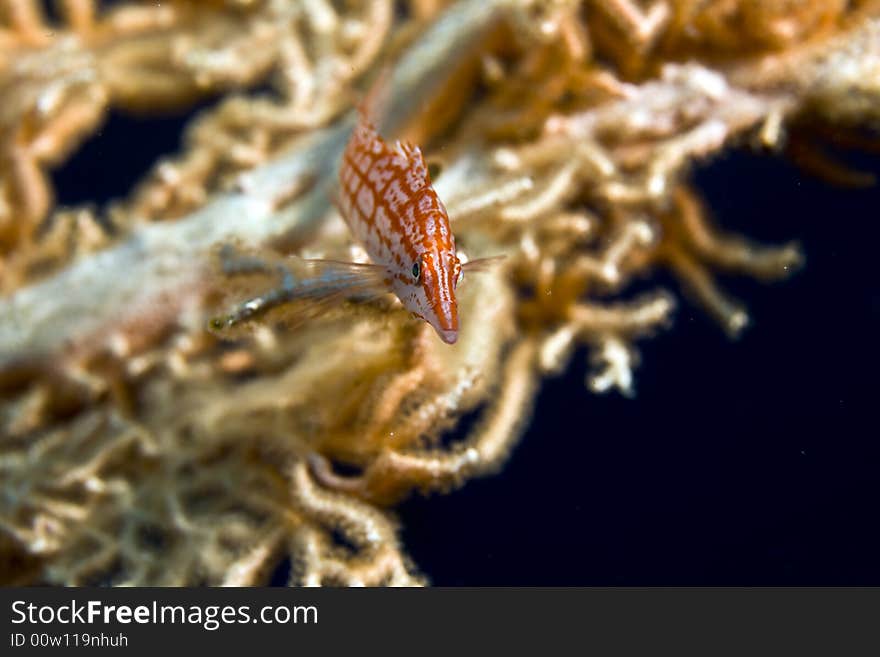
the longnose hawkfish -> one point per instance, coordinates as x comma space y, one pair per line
387, 199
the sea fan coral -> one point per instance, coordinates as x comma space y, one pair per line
137, 448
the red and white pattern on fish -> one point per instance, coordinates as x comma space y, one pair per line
393, 211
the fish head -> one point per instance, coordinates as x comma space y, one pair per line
427, 289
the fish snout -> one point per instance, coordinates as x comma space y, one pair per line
445, 324
449, 336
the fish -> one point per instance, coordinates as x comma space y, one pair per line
388, 201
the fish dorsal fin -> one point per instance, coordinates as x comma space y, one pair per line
414, 158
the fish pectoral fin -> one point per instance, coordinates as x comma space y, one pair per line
273, 289
363, 277
482, 264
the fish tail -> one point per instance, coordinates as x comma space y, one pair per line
375, 101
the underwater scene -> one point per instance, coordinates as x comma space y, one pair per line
424, 292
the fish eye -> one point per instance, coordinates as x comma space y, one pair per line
416, 270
